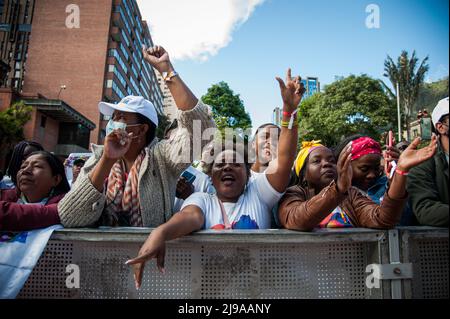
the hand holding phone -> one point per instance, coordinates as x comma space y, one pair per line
188, 176
387, 158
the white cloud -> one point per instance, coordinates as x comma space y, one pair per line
195, 29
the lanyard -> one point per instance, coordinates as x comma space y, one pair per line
224, 215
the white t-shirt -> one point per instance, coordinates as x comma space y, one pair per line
252, 210
201, 184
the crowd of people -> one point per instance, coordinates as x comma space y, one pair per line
136, 180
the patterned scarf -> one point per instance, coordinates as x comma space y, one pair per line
337, 219
122, 197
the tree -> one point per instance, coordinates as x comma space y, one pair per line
163, 123
410, 76
430, 94
12, 121
355, 104
228, 108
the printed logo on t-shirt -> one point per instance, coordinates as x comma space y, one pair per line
245, 222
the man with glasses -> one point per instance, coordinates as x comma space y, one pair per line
428, 182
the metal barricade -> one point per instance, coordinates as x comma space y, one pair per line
428, 250
210, 264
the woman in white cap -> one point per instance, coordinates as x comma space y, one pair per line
131, 179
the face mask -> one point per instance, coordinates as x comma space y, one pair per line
113, 125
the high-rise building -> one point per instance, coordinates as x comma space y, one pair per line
312, 86
16, 17
169, 106
80, 52
277, 116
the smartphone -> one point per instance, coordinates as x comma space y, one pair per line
189, 177
390, 139
388, 165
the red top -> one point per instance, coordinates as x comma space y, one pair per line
20, 217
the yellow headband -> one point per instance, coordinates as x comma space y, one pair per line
303, 154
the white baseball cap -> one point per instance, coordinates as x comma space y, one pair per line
439, 111
132, 104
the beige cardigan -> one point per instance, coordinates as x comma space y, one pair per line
160, 170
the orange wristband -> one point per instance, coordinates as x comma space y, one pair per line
399, 172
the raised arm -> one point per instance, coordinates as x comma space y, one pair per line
410, 158
185, 222
159, 58
278, 172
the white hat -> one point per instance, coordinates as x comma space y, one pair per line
132, 104
439, 111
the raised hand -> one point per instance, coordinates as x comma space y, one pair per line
184, 189
292, 91
117, 144
158, 57
344, 169
154, 247
412, 157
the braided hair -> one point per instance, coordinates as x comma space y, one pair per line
17, 158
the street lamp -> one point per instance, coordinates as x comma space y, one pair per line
63, 87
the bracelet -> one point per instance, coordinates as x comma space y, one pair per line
287, 114
167, 76
286, 124
290, 124
403, 173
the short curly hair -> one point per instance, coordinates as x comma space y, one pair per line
221, 145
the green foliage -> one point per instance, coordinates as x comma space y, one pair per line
410, 75
12, 121
430, 94
355, 104
163, 123
228, 108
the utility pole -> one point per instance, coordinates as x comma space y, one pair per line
398, 114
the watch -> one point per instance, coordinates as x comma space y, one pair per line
167, 76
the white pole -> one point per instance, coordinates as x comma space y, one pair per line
398, 115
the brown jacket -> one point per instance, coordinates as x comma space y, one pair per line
300, 210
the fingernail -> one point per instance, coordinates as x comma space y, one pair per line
127, 262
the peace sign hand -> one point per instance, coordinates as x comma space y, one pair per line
292, 91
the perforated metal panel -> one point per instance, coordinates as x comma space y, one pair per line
430, 268
216, 269
177, 282
281, 271
48, 279
104, 274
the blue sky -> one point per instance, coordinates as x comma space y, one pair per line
323, 38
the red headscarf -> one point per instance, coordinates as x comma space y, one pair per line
363, 146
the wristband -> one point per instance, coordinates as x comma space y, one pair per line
290, 124
400, 172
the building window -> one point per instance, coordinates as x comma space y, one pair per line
74, 134
43, 121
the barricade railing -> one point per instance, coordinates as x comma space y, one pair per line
340, 263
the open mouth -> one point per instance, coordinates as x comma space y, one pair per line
228, 179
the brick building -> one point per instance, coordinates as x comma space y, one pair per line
77, 53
